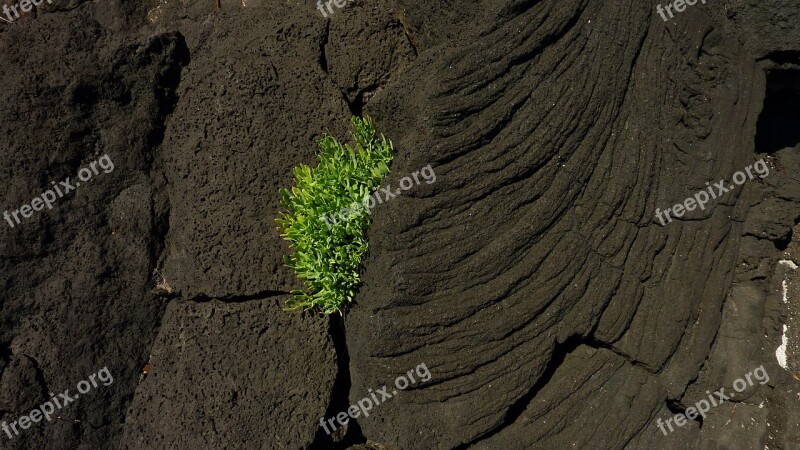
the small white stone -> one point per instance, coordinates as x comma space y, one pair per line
780, 352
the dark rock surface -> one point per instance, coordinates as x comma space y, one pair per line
532, 279
239, 114
77, 292
230, 375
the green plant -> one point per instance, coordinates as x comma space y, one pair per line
327, 254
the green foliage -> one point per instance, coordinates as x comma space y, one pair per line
327, 253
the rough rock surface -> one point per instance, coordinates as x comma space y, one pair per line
77, 292
532, 278
229, 375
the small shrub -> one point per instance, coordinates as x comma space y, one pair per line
327, 254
